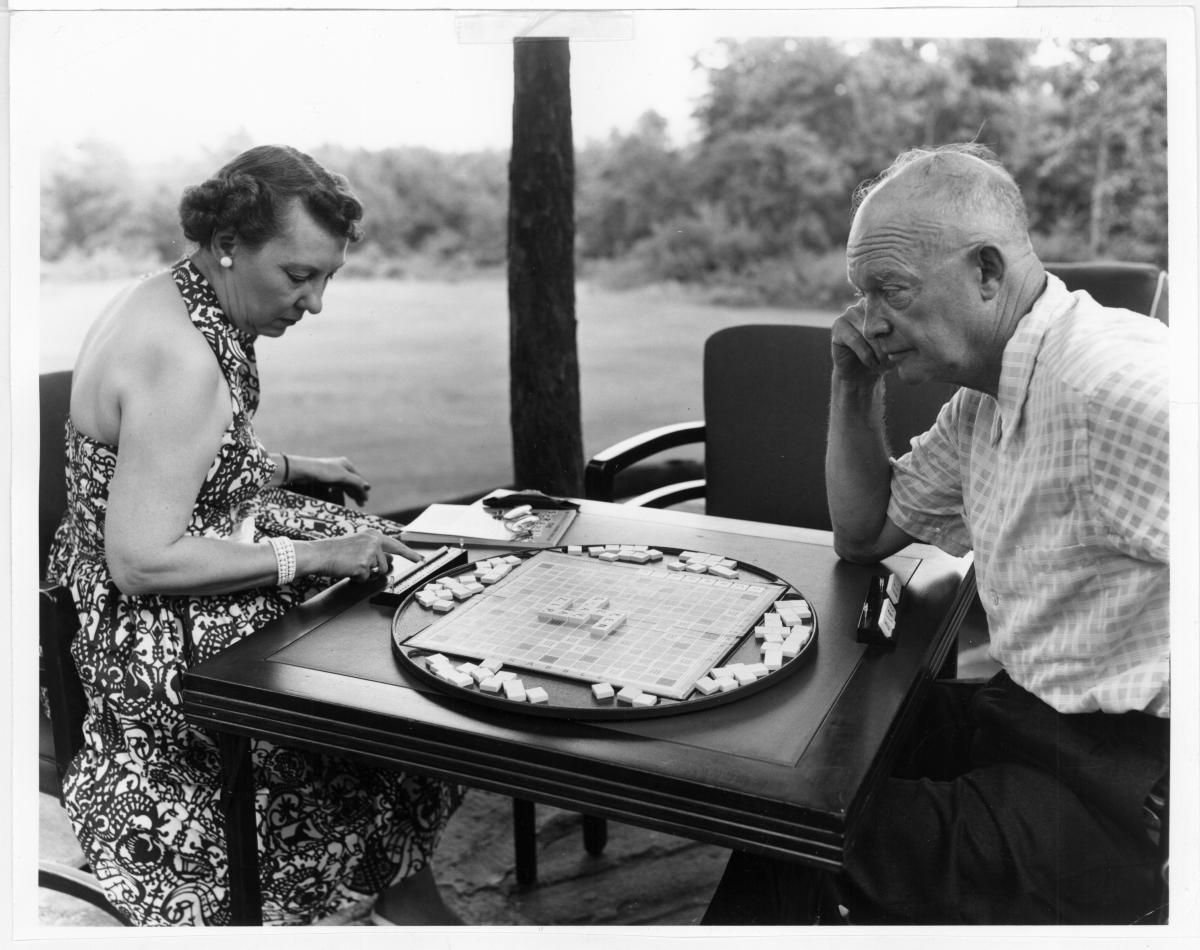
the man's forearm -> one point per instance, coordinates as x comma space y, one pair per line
857, 471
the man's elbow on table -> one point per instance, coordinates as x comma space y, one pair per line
867, 548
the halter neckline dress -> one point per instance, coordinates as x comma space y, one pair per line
142, 795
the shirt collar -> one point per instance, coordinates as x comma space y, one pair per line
1020, 357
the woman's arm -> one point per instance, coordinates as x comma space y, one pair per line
174, 409
332, 471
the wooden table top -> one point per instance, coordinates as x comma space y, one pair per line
784, 771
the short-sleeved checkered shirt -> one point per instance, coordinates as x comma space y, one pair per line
1060, 487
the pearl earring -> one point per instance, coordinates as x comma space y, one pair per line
226, 261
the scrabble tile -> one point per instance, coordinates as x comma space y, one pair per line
608, 623
603, 691
744, 677
460, 679
676, 565
773, 656
514, 690
610, 556
772, 619
426, 599
628, 694
574, 549
536, 694
479, 674
721, 571
442, 606
793, 645
773, 635
594, 603
493, 684
645, 699
491, 663
887, 618
655, 554
595, 551
696, 567
726, 683
707, 685
758, 669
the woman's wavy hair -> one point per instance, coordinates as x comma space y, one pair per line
250, 193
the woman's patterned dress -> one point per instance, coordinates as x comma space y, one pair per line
142, 794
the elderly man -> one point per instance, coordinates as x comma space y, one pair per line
1020, 801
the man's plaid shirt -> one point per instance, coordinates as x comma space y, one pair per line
1060, 487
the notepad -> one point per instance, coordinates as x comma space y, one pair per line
466, 525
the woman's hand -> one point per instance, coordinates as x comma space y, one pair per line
361, 556
329, 471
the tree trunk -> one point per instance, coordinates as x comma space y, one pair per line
1098, 225
543, 361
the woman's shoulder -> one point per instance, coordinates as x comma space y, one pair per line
147, 330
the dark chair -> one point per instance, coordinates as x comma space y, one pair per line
60, 735
766, 404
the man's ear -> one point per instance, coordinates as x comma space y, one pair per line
990, 261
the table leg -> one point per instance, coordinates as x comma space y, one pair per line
525, 841
241, 836
595, 834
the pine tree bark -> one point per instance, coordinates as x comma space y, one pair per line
543, 359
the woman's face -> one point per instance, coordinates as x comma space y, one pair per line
270, 288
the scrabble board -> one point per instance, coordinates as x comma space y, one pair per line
555, 617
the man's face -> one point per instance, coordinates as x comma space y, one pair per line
921, 302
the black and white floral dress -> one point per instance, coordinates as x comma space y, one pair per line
142, 795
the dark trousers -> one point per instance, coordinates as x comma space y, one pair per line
1000, 811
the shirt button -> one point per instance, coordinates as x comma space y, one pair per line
995, 599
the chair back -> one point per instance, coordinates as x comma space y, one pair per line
1142, 288
766, 409
55, 405
766, 402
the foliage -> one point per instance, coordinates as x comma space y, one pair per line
759, 204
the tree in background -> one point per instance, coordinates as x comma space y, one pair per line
757, 208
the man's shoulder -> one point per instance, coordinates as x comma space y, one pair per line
1088, 347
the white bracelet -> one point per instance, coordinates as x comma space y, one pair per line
285, 559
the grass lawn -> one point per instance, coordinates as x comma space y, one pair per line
410, 379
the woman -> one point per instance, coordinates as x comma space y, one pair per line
180, 539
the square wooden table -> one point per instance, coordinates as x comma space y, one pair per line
783, 772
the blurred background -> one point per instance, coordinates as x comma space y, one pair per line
715, 158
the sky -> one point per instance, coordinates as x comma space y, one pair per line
172, 83
163, 84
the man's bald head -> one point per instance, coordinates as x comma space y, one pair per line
960, 192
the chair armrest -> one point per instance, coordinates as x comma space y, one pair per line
603, 467
669, 495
